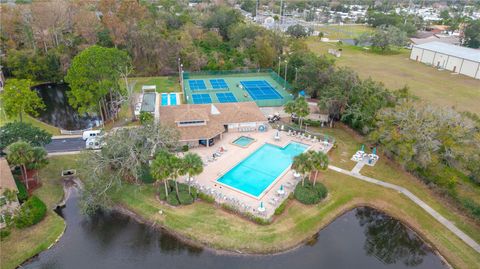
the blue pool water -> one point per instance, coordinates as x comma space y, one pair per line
255, 173
243, 141
164, 99
173, 99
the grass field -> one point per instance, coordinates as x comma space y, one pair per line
335, 31
164, 84
25, 243
29, 119
396, 71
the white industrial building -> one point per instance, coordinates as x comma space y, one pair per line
457, 59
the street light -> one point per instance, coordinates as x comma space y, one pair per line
286, 66
279, 65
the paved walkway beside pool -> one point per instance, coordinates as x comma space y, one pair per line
448, 224
234, 154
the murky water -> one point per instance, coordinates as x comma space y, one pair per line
361, 238
58, 111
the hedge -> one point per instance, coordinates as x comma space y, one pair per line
185, 198
309, 194
172, 199
30, 213
279, 210
206, 198
22, 191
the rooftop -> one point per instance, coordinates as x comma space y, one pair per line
452, 50
215, 115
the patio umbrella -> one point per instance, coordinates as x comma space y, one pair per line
362, 148
261, 208
374, 151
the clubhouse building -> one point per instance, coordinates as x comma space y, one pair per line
205, 124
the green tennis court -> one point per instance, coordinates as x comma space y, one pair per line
262, 86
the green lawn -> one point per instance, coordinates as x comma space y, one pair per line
25, 243
29, 119
397, 70
213, 226
336, 31
164, 84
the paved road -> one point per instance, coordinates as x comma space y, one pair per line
448, 224
65, 145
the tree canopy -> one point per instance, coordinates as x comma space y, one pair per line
95, 72
19, 99
14, 131
472, 34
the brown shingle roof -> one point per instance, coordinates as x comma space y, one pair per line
6, 177
229, 113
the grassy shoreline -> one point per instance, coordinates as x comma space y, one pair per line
212, 226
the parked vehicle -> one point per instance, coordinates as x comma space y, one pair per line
90, 134
94, 143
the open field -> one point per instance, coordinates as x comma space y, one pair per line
336, 31
164, 84
25, 243
29, 119
397, 70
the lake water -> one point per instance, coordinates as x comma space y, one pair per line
58, 111
361, 238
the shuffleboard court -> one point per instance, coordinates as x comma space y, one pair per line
260, 90
201, 98
197, 85
218, 83
226, 97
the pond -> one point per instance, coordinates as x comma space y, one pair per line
361, 238
58, 111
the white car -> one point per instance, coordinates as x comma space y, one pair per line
91, 134
94, 143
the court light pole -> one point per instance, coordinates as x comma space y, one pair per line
279, 65
286, 66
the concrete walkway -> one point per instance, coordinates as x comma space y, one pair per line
448, 224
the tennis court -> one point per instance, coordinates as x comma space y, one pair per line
197, 85
262, 86
201, 98
226, 97
260, 90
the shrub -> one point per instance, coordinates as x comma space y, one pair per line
472, 207
145, 175
31, 213
309, 194
161, 193
206, 198
279, 210
172, 199
257, 219
185, 198
22, 191
185, 148
4, 233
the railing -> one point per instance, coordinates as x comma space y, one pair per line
74, 132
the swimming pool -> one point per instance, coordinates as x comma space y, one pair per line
243, 141
259, 170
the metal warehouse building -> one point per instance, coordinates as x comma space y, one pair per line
457, 59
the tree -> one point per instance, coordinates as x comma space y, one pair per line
95, 72
472, 34
146, 118
299, 107
297, 31
194, 166
18, 98
222, 18
161, 168
301, 163
319, 162
385, 37
20, 154
14, 131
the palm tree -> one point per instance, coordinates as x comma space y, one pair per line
301, 163
20, 153
161, 168
38, 160
319, 161
178, 169
194, 166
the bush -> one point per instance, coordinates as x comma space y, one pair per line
206, 198
185, 198
472, 207
31, 213
172, 199
22, 191
4, 233
279, 210
185, 148
161, 193
145, 175
309, 194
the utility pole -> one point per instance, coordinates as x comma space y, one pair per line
281, 12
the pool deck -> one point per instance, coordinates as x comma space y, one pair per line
207, 181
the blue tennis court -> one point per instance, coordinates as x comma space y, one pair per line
201, 98
218, 83
260, 90
226, 97
197, 85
